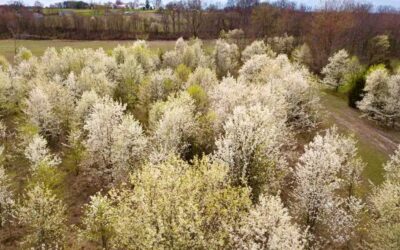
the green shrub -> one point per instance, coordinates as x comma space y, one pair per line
4, 64
182, 72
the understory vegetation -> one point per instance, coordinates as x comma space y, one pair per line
190, 149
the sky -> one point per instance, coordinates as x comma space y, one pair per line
394, 3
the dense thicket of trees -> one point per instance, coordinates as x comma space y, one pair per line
333, 26
133, 149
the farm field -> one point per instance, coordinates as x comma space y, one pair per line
37, 47
91, 12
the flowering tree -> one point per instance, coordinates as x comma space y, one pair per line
282, 44
256, 48
268, 226
85, 104
23, 54
44, 217
38, 154
336, 70
192, 56
161, 84
226, 58
129, 75
326, 178
302, 54
174, 123
288, 82
138, 51
40, 111
99, 221
7, 202
381, 101
225, 96
384, 232
251, 146
114, 140
205, 207
204, 77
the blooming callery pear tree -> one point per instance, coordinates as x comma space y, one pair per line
174, 123
23, 54
225, 96
303, 55
384, 232
7, 200
268, 226
161, 84
38, 154
381, 101
43, 215
335, 72
84, 105
226, 57
99, 221
205, 208
256, 48
204, 77
40, 111
114, 140
291, 83
192, 56
327, 177
252, 145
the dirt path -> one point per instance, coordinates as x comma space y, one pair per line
344, 116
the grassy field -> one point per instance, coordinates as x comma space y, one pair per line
91, 12
37, 47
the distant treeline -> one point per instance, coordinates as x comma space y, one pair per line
325, 30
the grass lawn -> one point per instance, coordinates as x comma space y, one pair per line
39, 46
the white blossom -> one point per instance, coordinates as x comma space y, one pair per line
302, 55
114, 140
40, 111
203, 77
336, 70
256, 48
174, 123
268, 226
44, 217
226, 57
381, 101
38, 153
328, 167
254, 136
7, 201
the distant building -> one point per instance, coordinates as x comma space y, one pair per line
120, 6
